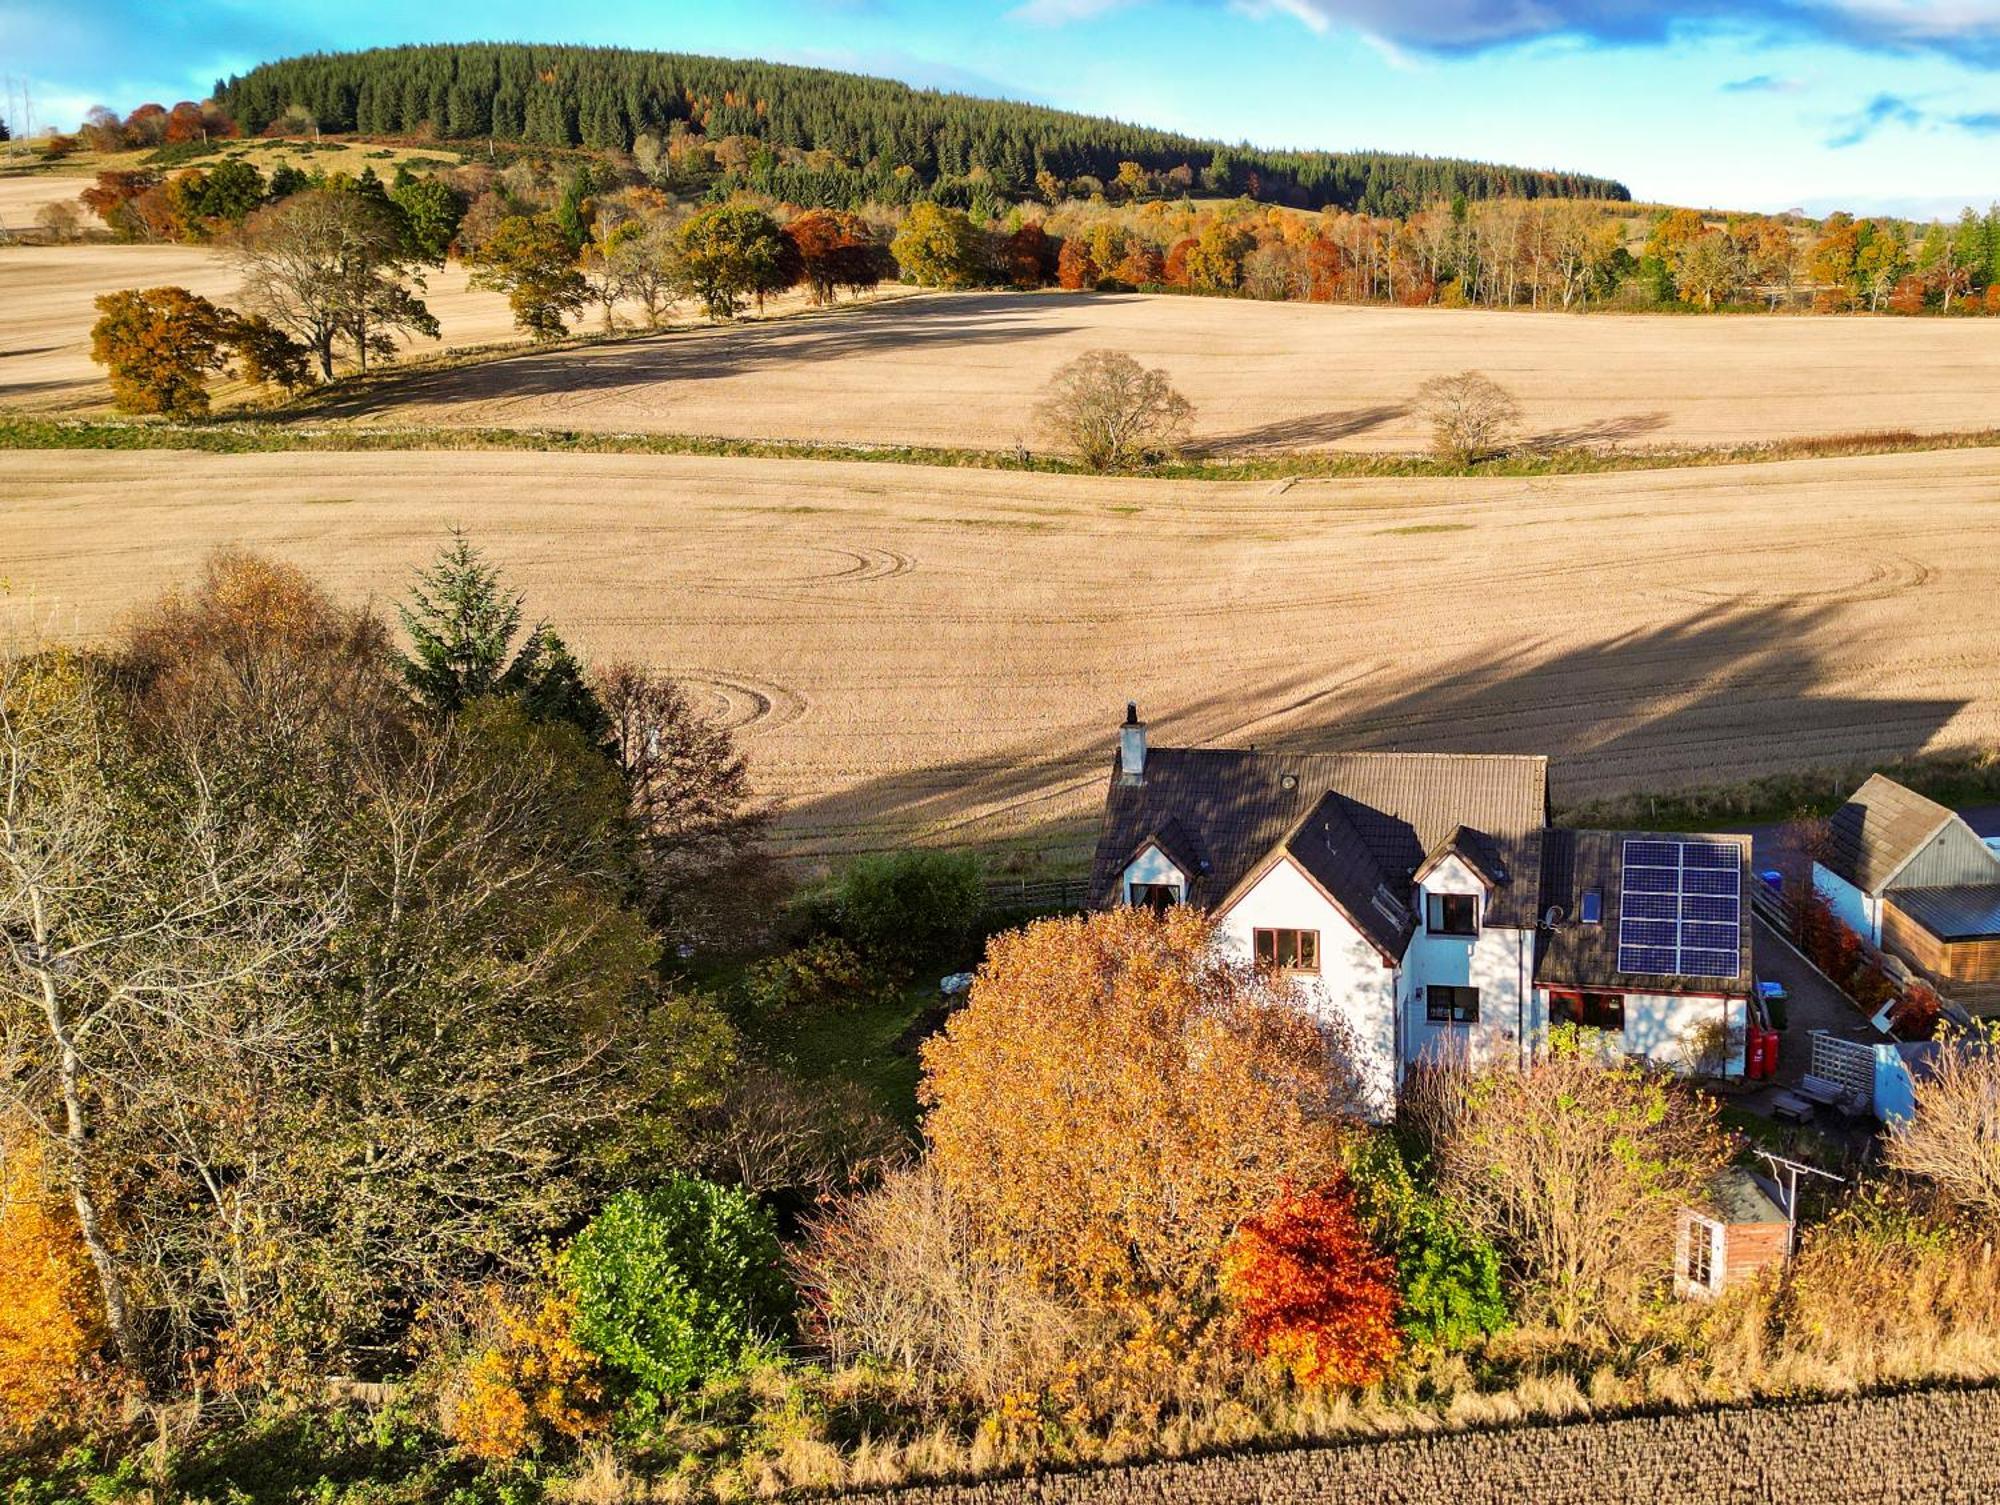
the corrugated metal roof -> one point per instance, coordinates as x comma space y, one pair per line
1967, 913
1879, 829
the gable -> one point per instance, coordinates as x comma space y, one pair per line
1878, 831
1451, 875
1285, 894
1955, 857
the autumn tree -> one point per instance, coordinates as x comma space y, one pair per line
1576, 1167
161, 346
1111, 412
639, 256
938, 247
1145, 1096
1214, 263
51, 1326
834, 250
727, 255
1471, 416
530, 260
331, 267
1309, 1292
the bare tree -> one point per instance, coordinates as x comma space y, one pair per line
141, 924
330, 268
61, 221
1953, 1141
1470, 415
1112, 412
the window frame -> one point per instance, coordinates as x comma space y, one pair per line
1436, 908
1702, 1262
1452, 1011
1302, 941
1141, 895
1592, 1011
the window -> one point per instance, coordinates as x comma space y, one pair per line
1451, 1005
1453, 914
1288, 950
1155, 896
1591, 911
1701, 1241
1605, 1011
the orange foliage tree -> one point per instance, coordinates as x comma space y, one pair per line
1115, 1098
50, 1328
1310, 1292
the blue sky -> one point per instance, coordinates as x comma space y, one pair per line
1875, 105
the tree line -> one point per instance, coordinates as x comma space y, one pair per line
815, 136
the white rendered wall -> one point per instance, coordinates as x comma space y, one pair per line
1355, 987
1850, 905
1151, 866
1495, 962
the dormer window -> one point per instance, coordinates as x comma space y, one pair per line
1451, 914
1158, 897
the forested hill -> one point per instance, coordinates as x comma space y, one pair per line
819, 136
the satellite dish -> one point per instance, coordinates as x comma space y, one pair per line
1553, 918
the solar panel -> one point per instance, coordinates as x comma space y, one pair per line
1682, 910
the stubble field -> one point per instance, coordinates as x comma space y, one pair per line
929, 654
966, 370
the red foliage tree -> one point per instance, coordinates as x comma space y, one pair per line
1028, 255
1176, 267
1310, 1292
1075, 267
836, 249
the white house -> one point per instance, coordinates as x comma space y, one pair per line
1424, 901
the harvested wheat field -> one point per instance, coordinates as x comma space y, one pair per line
46, 310
966, 370
943, 654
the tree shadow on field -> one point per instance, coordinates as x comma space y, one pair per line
648, 361
1606, 431
1714, 697
1310, 430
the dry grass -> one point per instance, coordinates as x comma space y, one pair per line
905, 661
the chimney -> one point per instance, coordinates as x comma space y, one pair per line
1132, 747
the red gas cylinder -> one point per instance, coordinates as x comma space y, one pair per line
1770, 1052
1753, 1054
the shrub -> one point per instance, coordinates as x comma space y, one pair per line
1309, 1292
1470, 416
530, 1385
1448, 1274
676, 1285
1112, 413
1576, 1167
781, 1138
1953, 1140
899, 1274
50, 1323
824, 973
905, 908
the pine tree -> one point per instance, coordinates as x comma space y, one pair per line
461, 620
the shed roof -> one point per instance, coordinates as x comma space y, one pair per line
1969, 912
1880, 828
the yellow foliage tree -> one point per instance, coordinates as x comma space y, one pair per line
1115, 1098
50, 1327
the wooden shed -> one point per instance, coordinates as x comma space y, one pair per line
1742, 1232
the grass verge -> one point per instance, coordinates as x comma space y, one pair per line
274, 433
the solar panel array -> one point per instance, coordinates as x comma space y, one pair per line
1682, 911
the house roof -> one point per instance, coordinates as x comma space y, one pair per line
1476, 850
1353, 821
1968, 912
1179, 848
1575, 955
1880, 828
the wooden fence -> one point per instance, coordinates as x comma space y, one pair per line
1037, 895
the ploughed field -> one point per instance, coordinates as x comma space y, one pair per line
939, 654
